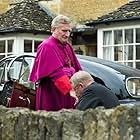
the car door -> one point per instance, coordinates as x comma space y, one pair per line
23, 91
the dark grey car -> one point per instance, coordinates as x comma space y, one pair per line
124, 81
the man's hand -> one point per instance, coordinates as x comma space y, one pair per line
72, 93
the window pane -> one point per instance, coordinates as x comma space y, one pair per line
2, 73
138, 35
137, 52
118, 37
2, 46
118, 53
27, 45
2, 56
138, 65
10, 45
107, 53
14, 71
36, 45
128, 52
107, 38
129, 64
128, 36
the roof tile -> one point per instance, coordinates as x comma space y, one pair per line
130, 11
26, 16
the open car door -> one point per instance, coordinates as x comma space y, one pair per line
22, 90
5, 84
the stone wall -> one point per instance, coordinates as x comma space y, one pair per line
4, 5
81, 10
121, 123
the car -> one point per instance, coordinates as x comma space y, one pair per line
123, 81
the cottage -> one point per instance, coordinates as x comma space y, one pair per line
23, 27
83, 37
118, 35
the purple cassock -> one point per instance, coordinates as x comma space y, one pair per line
53, 60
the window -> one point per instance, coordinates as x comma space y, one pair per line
122, 46
20, 70
118, 37
27, 45
36, 43
30, 46
6, 48
138, 35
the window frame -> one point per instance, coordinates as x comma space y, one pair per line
6, 53
101, 45
32, 45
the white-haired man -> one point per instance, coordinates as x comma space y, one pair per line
54, 64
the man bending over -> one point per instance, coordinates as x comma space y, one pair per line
91, 94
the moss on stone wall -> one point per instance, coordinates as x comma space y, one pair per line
120, 123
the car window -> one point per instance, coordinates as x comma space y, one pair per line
3, 71
15, 69
20, 70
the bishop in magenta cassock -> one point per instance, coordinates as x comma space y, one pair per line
54, 64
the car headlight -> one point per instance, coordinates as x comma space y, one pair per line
133, 86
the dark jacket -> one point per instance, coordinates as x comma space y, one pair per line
97, 95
